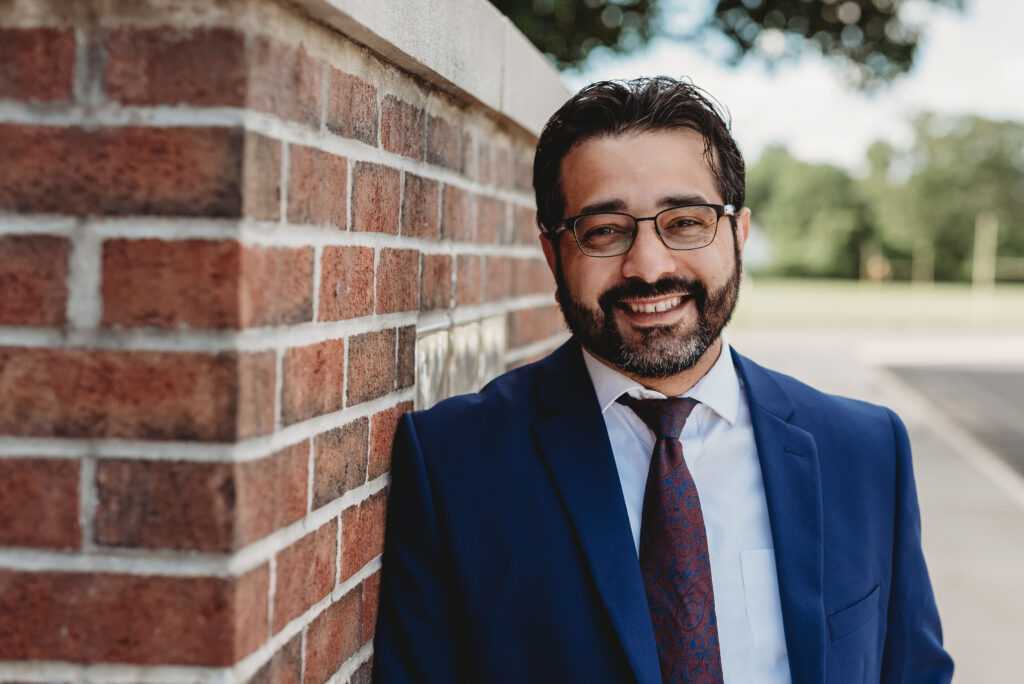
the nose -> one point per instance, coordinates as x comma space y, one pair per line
648, 259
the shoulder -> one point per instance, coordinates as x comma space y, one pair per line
814, 410
505, 409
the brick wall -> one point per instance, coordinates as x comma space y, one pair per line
235, 245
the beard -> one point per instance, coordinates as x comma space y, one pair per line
660, 351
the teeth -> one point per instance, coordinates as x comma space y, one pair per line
655, 307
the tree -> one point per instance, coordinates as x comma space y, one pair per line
813, 214
568, 30
870, 36
932, 193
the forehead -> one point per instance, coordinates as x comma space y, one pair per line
637, 171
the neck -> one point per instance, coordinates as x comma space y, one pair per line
675, 385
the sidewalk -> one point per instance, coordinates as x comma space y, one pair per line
972, 505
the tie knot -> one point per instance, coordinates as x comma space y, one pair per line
665, 417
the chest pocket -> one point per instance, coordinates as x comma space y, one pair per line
768, 659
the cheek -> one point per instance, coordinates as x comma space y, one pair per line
588, 280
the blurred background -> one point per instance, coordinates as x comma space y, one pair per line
885, 153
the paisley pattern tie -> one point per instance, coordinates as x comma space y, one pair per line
674, 557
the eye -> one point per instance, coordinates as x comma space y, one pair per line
601, 228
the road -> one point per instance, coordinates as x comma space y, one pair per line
987, 402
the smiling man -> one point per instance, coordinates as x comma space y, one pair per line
645, 504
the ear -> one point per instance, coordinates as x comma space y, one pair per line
549, 247
741, 234
742, 228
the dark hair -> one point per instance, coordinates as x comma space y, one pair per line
637, 105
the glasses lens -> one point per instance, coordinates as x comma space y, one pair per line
604, 234
688, 227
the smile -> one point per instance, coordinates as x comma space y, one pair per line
654, 307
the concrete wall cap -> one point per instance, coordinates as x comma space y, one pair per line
465, 47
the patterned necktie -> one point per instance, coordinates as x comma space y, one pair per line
674, 557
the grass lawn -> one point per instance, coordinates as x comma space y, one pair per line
769, 302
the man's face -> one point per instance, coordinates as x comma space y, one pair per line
652, 312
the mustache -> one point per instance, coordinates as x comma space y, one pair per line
638, 289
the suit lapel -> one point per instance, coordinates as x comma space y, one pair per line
573, 441
792, 486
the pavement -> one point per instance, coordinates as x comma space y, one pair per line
962, 401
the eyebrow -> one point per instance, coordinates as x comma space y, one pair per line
667, 201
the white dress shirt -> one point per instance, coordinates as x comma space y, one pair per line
718, 445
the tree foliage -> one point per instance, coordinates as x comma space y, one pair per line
568, 30
820, 219
813, 214
871, 37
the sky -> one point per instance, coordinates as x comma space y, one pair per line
969, 62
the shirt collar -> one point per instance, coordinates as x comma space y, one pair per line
719, 389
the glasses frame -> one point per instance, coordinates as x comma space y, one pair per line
570, 225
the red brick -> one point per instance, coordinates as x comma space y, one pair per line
499, 271
248, 595
188, 171
490, 220
420, 208
442, 143
198, 506
470, 159
317, 187
333, 637
39, 502
284, 667
305, 573
165, 65
529, 233
191, 283
457, 219
276, 287
436, 282
313, 380
339, 461
371, 366
362, 533
526, 326
401, 128
261, 178
531, 276
204, 284
468, 279
135, 394
272, 492
351, 107
257, 387
382, 437
406, 356
346, 283
522, 170
165, 505
371, 597
501, 167
37, 63
375, 198
285, 81
144, 619
33, 279
398, 280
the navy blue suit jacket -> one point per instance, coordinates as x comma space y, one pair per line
509, 557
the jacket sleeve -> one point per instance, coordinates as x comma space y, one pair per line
913, 644
414, 636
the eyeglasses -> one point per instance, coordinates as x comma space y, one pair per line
609, 234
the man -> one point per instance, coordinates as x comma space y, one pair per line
645, 504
